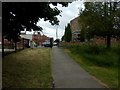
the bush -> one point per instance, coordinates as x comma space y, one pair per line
97, 55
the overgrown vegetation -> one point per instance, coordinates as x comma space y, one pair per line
99, 61
98, 55
101, 19
29, 68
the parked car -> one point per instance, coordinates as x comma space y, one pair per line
46, 44
54, 44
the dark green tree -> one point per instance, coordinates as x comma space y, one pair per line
62, 39
101, 19
57, 41
16, 16
68, 33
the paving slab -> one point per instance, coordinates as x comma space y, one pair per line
68, 74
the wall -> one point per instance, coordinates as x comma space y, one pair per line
75, 29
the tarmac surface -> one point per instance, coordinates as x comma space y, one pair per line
68, 74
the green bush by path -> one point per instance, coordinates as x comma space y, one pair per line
97, 55
99, 61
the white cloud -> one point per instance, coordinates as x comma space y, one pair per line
68, 13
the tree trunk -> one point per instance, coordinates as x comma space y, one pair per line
15, 45
23, 42
2, 46
108, 41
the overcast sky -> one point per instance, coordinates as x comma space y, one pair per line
68, 13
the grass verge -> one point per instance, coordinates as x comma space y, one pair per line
29, 68
102, 65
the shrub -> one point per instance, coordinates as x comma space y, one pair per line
97, 55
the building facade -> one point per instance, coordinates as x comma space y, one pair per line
75, 30
39, 39
75, 27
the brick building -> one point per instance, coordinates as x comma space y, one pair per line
75, 29
36, 38
39, 39
97, 39
103, 40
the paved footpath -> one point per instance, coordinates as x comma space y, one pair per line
68, 74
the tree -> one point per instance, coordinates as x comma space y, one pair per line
101, 19
18, 16
62, 39
57, 41
68, 34
25, 15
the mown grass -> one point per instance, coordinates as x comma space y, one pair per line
98, 61
29, 68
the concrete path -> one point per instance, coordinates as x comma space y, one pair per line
68, 74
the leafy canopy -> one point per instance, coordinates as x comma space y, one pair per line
101, 19
20, 15
68, 34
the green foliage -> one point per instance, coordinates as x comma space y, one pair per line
107, 75
57, 41
17, 16
68, 34
97, 55
101, 19
82, 35
63, 38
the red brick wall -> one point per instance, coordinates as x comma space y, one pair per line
8, 44
102, 40
39, 39
74, 24
20, 44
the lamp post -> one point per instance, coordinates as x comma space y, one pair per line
56, 32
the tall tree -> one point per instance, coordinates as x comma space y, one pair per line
68, 33
62, 39
26, 14
19, 15
101, 19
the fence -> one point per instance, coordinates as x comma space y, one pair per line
95, 41
23, 43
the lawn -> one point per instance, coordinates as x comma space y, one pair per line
29, 68
100, 62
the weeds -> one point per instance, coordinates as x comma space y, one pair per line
97, 55
99, 61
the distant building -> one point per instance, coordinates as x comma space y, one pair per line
39, 39
75, 29
44, 37
27, 39
36, 38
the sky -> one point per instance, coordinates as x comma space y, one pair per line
68, 13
